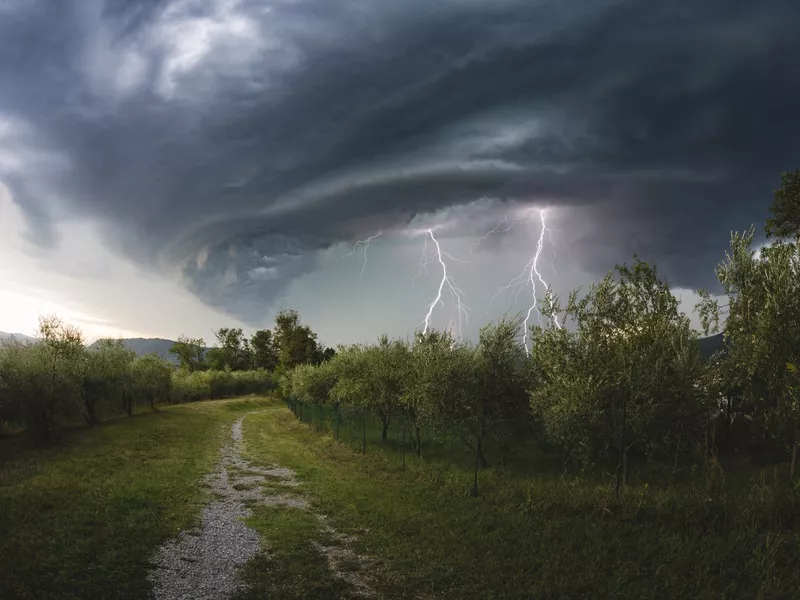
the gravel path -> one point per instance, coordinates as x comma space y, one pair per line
204, 563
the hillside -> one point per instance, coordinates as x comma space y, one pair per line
142, 346
161, 346
710, 345
7, 338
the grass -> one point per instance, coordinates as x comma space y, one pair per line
81, 519
545, 536
291, 566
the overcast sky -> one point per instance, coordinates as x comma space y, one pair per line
171, 167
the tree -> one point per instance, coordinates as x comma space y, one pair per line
388, 370
190, 353
762, 331
445, 389
426, 357
45, 379
152, 377
353, 387
265, 354
625, 379
568, 396
296, 344
313, 383
232, 352
785, 220
105, 373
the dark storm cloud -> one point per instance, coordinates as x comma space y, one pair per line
232, 140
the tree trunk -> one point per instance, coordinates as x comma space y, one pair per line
91, 414
478, 454
403, 445
677, 451
385, 428
364, 434
129, 406
45, 425
622, 468
793, 465
419, 442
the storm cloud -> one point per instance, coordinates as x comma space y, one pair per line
230, 144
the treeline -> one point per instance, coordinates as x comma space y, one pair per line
617, 375
289, 344
59, 380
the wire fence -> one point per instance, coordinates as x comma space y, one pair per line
362, 430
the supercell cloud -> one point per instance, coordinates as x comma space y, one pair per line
231, 144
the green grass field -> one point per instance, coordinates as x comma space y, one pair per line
81, 520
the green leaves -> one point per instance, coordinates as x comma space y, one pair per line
627, 348
785, 220
190, 353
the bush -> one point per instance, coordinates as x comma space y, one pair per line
202, 385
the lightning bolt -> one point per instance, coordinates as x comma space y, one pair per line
462, 310
475, 245
529, 277
364, 243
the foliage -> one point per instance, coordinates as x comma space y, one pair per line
265, 355
296, 344
762, 331
152, 377
785, 220
190, 353
43, 382
106, 378
624, 378
202, 385
233, 351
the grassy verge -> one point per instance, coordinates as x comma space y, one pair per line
80, 520
544, 537
291, 566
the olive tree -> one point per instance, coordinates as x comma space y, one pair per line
763, 331
424, 378
387, 370
105, 375
313, 383
569, 395
627, 372
44, 379
152, 379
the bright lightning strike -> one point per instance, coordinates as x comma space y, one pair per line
529, 277
462, 310
364, 243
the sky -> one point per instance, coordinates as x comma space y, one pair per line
174, 166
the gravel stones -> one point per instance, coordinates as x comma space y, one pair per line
205, 563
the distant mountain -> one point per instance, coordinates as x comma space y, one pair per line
161, 346
142, 346
710, 345
8, 338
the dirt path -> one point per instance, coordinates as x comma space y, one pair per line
204, 563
